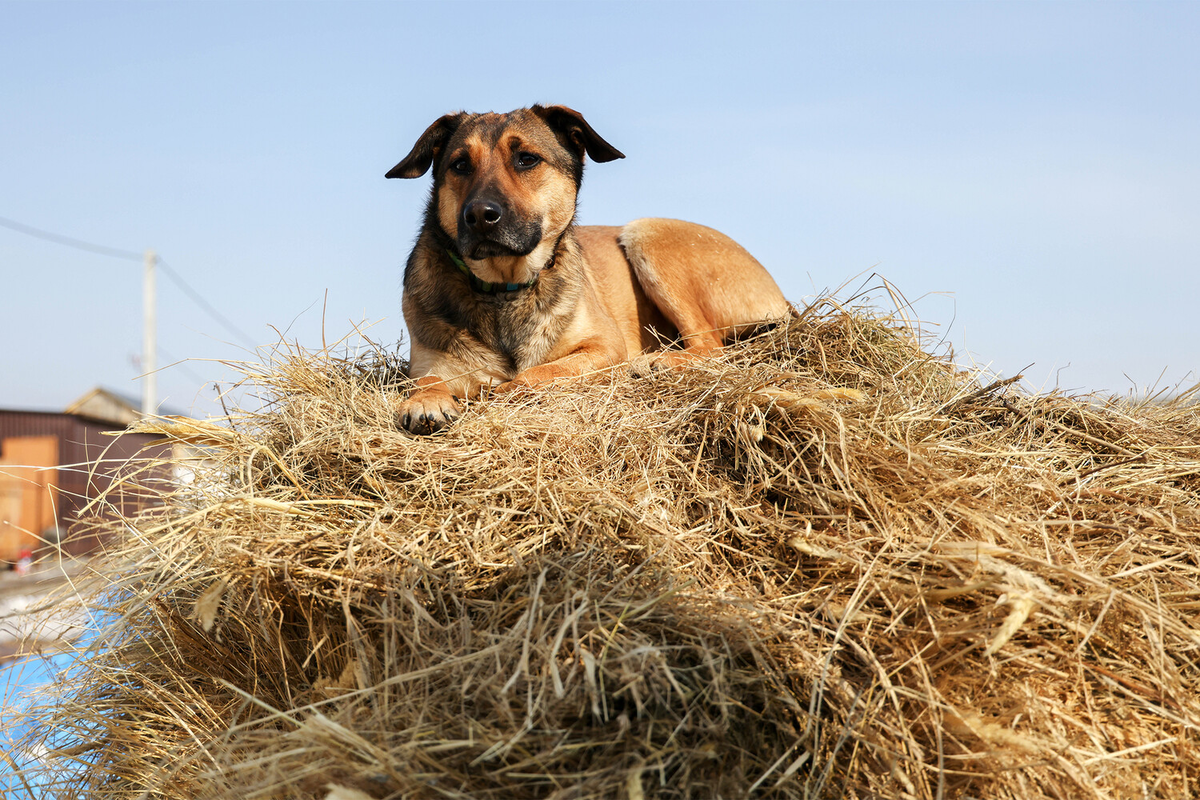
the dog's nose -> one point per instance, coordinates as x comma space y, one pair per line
482, 215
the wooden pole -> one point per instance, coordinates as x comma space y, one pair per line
149, 342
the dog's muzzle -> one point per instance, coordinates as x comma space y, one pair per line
488, 228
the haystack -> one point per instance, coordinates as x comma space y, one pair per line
827, 563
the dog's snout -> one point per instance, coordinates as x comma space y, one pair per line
482, 215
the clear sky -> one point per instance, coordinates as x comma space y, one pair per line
1028, 174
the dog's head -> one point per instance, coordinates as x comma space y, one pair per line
504, 185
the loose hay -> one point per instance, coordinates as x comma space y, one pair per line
824, 564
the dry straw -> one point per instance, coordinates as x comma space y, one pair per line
824, 564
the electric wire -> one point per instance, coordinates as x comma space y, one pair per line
181, 364
69, 241
195, 297
130, 255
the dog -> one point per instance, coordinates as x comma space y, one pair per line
503, 290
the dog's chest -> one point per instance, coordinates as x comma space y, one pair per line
520, 330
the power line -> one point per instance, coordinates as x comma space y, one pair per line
115, 252
79, 244
195, 297
181, 364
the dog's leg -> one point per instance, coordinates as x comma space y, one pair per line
705, 283
587, 357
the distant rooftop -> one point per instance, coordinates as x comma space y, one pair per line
107, 406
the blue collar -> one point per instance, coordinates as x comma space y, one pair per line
484, 286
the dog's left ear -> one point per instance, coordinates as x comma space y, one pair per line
417, 163
574, 128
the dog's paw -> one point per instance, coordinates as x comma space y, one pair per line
641, 366
514, 389
427, 412
674, 359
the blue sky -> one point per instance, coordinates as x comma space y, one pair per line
1027, 173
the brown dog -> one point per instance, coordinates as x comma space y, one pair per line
502, 289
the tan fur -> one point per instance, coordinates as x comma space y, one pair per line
602, 294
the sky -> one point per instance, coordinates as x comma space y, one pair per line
1026, 175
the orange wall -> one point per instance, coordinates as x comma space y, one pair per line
28, 492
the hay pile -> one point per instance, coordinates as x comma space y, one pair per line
825, 564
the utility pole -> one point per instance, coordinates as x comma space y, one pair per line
149, 343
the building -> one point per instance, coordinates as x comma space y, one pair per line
59, 471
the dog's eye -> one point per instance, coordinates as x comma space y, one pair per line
527, 160
460, 166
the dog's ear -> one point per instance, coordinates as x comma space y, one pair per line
571, 125
417, 163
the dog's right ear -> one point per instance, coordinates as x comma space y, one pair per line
417, 163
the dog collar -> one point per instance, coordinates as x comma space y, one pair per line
484, 286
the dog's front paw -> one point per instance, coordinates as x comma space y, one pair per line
674, 359
515, 389
428, 411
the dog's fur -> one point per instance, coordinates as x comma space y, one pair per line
544, 298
